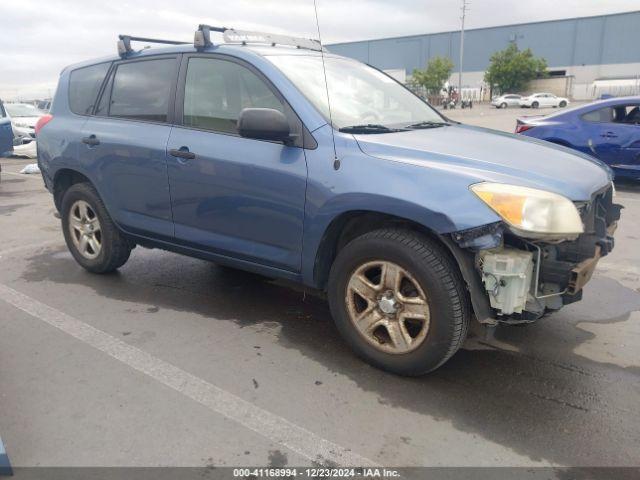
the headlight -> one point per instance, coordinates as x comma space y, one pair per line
530, 212
23, 125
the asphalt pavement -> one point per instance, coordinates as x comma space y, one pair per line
176, 361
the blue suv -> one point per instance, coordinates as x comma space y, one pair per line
242, 153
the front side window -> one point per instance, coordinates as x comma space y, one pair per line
2, 114
84, 84
358, 94
628, 114
216, 91
142, 90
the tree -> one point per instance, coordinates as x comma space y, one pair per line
511, 70
435, 75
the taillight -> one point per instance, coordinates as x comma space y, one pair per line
523, 127
42, 121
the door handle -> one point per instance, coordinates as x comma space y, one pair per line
91, 140
609, 135
182, 152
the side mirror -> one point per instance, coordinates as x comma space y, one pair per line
264, 124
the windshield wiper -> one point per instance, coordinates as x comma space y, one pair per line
428, 124
370, 128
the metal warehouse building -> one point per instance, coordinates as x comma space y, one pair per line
594, 55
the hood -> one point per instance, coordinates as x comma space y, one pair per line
487, 155
28, 121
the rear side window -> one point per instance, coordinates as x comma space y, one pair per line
2, 112
602, 115
142, 90
216, 91
84, 84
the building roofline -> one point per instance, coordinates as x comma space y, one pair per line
467, 30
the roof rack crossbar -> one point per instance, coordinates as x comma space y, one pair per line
124, 43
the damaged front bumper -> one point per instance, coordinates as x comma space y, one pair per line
516, 280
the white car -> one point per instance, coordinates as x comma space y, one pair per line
538, 100
23, 117
27, 150
506, 100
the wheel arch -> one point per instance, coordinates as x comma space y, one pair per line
352, 224
63, 179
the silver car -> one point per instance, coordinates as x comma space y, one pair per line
506, 100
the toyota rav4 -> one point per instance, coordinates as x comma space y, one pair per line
270, 154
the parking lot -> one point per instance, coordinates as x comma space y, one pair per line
176, 361
485, 115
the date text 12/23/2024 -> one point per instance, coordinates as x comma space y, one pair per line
316, 472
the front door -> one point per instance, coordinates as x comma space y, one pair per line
6, 132
236, 197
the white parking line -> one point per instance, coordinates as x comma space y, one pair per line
267, 424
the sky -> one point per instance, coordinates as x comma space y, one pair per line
39, 38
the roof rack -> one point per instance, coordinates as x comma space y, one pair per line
244, 37
124, 43
202, 39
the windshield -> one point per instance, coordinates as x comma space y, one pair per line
23, 110
359, 94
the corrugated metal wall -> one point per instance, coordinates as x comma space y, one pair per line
608, 39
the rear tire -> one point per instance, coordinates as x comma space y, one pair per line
563, 104
390, 332
92, 238
535, 105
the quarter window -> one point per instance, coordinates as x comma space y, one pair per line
84, 84
216, 91
141, 90
601, 115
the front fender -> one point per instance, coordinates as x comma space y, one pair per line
439, 201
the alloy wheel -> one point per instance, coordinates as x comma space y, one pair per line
85, 229
388, 307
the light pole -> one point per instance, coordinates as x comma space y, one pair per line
465, 7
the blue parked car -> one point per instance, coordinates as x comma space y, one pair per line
608, 130
6, 132
412, 224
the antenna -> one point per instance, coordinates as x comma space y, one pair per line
465, 8
336, 162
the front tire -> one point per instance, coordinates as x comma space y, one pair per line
398, 300
563, 104
503, 106
535, 105
91, 236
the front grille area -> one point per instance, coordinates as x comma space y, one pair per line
599, 217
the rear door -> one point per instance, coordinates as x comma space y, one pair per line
624, 134
6, 133
124, 144
236, 196
613, 139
